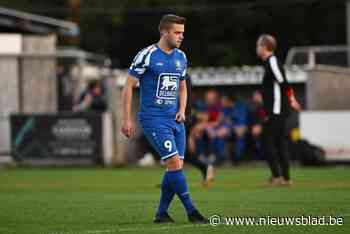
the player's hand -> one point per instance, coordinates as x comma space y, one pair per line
128, 128
295, 105
180, 116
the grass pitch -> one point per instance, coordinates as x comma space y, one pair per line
124, 200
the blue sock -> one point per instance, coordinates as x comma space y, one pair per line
166, 196
179, 185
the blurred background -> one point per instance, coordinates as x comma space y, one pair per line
63, 64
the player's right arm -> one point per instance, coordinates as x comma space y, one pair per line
128, 126
136, 71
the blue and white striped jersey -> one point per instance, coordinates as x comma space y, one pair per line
159, 74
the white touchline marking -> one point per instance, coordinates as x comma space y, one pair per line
169, 227
162, 228
102, 231
133, 229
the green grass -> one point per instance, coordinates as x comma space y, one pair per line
92, 201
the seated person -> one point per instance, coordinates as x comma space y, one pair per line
239, 119
92, 99
207, 129
258, 115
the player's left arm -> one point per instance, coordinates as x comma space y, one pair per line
180, 116
282, 79
292, 99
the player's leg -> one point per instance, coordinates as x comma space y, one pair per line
161, 142
200, 145
192, 155
197, 139
177, 177
283, 153
167, 195
174, 182
175, 165
240, 143
270, 153
217, 146
256, 132
206, 169
179, 185
195, 162
222, 134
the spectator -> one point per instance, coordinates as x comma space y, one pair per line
92, 99
207, 128
258, 115
199, 120
239, 118
213, 129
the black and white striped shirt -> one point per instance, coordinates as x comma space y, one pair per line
275, 86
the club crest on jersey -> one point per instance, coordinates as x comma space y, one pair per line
168, 84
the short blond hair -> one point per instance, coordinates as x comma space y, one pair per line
268, 41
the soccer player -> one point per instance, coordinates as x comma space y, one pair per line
160, 70
278, 97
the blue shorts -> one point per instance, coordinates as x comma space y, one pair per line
167, 137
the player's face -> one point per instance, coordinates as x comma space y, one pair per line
175, 35
259, 49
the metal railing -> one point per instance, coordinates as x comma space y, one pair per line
311, 55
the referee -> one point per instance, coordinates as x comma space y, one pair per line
278, 99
